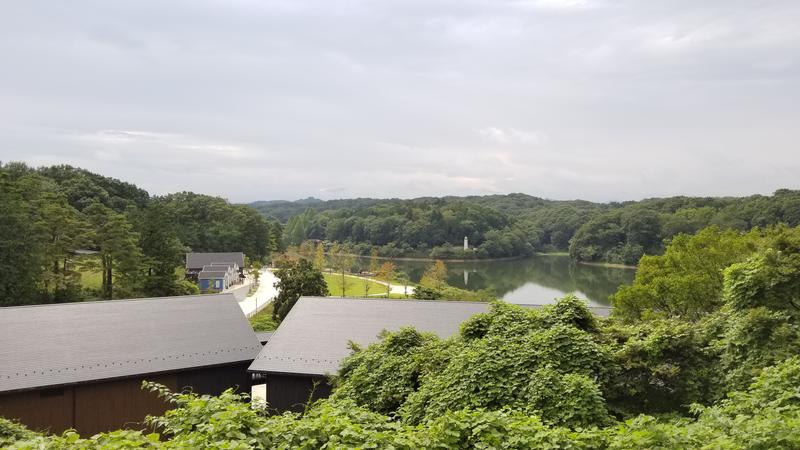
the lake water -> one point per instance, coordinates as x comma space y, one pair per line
536, 280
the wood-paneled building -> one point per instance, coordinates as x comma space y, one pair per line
81, 365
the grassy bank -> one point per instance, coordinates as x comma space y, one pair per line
354, 287
263, 320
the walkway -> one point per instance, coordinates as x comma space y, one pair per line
263, 296
399, 289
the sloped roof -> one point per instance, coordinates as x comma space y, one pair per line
314, 336
211, 275
51, 345
197, 260
264, 336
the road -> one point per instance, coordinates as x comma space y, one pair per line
263, 296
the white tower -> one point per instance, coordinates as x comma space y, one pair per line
466, 243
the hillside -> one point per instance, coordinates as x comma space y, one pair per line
520, 225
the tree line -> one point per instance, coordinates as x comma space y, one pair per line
59, 222
517, 225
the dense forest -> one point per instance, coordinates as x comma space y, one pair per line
59, 223
520, 225
700, 352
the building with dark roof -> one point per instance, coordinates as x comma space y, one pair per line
312, 340
196, 261
81, 365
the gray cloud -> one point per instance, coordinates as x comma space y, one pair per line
596, 99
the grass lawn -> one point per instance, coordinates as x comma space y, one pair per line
91, 279
263, 320
353, 287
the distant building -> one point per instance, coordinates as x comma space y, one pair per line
199, 262
81, 365
466, 243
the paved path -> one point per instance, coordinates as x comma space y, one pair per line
395, 288
263, 296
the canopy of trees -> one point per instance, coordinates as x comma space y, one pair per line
518, 224
50, 216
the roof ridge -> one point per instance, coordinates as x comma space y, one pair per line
126, 300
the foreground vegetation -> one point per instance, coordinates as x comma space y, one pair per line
264, 320
520, 225
50, 214
701, 352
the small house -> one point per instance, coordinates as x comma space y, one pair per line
195, 262
213, 281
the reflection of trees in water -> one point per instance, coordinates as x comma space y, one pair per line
555, 272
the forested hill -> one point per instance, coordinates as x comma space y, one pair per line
48, 214
519, 224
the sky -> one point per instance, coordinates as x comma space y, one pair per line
259, 100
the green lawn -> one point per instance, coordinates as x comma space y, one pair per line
263, 320
91, 279
353, 287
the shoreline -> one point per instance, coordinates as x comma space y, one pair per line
423, 259
506, 258
608, 265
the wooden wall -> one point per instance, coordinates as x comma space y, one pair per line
291, 392
96, 407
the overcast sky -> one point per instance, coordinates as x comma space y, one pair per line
595, 99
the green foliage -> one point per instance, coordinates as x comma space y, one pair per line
263, 320
770, 278
423, 293
660, 367
765, 416
526, 360
382, 376
686, 280
48, 214
295, 280
12, 432
518, 224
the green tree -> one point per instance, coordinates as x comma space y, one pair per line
435, 277
162, 250
22, 250
319, 257
342, 262
387, 272
120, 254
295, 280
686, 280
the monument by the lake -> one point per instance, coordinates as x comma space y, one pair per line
466, 243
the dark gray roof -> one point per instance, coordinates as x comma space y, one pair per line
51, 345
209, 275
264, 336
197, 260
313, 337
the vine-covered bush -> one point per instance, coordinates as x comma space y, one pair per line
535, 361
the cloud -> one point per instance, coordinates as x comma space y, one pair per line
511, 136
262, 100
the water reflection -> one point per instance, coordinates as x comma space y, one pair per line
540, 279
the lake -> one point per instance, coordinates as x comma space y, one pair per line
536, 280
